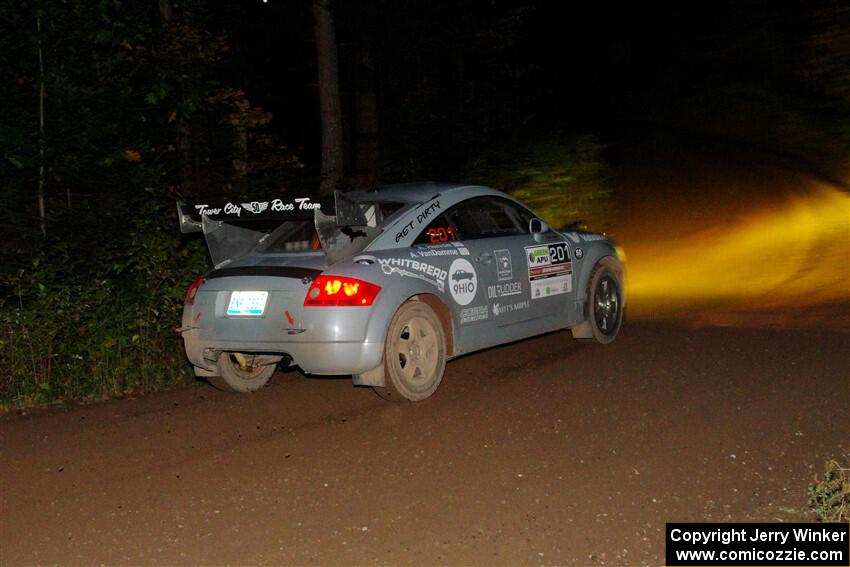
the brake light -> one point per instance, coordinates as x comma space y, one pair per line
193, 290
339, 291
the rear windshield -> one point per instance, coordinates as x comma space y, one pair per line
301, 235
291, 236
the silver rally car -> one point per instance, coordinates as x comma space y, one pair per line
387, 285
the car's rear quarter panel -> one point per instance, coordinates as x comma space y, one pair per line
322, 340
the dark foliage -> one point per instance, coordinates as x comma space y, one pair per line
220, 100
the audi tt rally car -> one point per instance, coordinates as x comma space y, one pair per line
387, 285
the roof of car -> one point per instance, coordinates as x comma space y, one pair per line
422, 191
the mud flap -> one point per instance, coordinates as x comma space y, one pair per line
374, 377
582, 331
203, 372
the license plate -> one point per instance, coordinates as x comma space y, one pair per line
247, 303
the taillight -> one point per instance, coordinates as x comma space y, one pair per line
193, 291
339, 291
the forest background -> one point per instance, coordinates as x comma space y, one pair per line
113, 110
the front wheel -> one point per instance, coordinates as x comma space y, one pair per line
414, 354
605, 304
243, 372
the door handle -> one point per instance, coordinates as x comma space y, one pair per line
485, 258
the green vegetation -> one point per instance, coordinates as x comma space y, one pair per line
812, 131
829, 496
93, 314
135, 115
564, 180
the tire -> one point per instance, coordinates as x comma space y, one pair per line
605, 303
414, 354
232, 378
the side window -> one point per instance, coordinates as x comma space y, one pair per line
524, 216
481, 217
440, 230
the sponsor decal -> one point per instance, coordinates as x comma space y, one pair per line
504, 270
432, 253
442, 249
404, 231
463, 281
427, 212
552, 286
302, 204
423, 215
257, 207
461, 248
205, 209
555, 254
433, 250
405, 267
537, 255
472, 314
584, 236
549, 269
502, 290
579, 253
501, 309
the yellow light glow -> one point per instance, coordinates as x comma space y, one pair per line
792, 254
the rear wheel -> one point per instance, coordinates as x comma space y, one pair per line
414, 354
243, 372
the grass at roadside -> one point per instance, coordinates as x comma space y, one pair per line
829, 495
91, 313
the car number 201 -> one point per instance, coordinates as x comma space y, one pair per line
558, 253
441, 234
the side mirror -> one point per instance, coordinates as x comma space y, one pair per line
537, 227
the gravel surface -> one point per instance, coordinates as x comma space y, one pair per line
541, 452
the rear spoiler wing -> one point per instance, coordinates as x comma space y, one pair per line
348, 209
192, 216
345, 222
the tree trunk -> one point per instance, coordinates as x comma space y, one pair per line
366, 118
165, 10
238, 120
41, 133
329, 105
184, 130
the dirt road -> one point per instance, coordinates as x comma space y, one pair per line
541, 452
727, 391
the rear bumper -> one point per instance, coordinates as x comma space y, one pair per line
319, 357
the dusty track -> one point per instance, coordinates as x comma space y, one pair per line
541, 452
